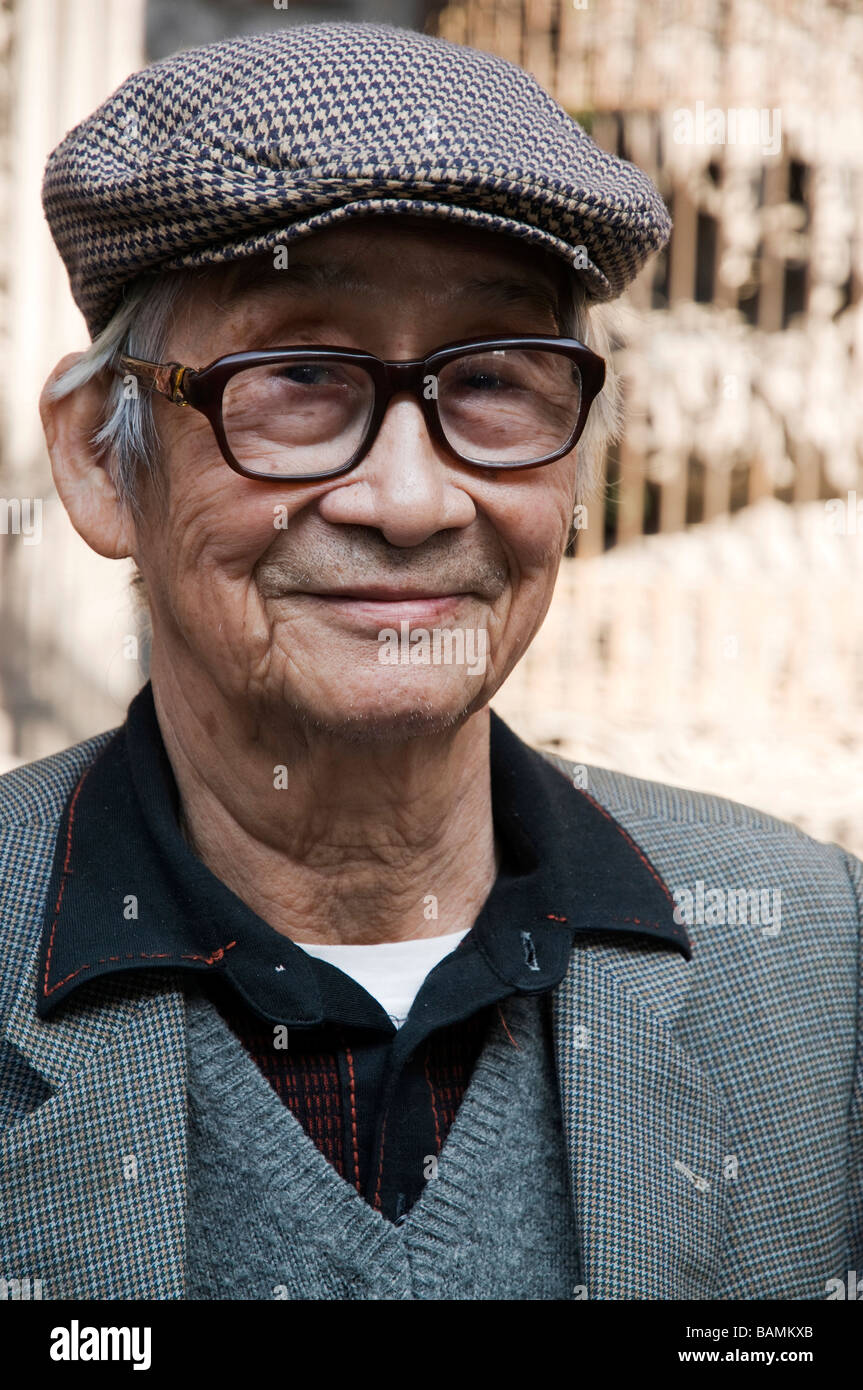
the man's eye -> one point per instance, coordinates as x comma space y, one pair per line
307, 374
482, 381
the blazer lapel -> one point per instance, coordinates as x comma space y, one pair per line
93, 1180
646, 1129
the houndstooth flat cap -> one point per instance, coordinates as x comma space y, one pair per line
223, 151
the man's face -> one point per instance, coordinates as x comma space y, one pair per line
278, 592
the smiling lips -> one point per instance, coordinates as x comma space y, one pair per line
381, 603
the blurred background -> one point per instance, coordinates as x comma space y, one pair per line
708, 629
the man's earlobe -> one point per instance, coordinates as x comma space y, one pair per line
83, 484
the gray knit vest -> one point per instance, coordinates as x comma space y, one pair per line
269, 1217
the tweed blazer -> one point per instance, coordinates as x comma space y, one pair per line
713, 1108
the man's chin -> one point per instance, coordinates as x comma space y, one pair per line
376, 723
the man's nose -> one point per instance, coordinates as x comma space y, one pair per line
406, 486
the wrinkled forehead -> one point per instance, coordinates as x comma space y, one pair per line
380, 255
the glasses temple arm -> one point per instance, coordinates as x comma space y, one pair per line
164, 377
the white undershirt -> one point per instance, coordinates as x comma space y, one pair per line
391, 971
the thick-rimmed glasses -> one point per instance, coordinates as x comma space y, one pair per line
307, 413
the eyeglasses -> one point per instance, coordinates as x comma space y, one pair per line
307, 413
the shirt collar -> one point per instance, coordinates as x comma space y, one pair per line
127, 892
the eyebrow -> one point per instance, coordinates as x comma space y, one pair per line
304, 277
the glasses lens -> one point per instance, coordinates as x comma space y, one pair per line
509, 405
294, 418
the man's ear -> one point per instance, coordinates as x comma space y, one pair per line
83, 483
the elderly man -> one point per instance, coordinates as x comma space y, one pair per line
318, 982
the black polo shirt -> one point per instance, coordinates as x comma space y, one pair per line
128, 893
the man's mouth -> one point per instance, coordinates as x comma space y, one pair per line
388, 604
382, 593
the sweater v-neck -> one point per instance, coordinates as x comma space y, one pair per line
322, 1207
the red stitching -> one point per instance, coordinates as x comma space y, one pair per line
103, 960
553, 918
356, 1147
433, 1101
639, 922
66, 871
508, 1033
140, 955
381, 1165
633, 846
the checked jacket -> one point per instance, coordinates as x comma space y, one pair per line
713, 1107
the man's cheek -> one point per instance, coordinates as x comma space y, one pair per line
203, 545
540, 524
540, 554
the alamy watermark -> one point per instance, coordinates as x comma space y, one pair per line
440, 646
21, 516
719, 907
20, 1290
844, 515
736, 125
77, 1343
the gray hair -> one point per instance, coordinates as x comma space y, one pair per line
127, 440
